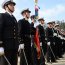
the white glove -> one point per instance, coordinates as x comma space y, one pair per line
48, 43
40, 43
1, 51
55, 34
21, 46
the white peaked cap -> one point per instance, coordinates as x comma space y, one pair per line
5, 1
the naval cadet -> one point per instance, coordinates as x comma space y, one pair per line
42, 39
50, 40
9, 32
25, 32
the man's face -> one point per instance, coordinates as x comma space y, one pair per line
42, 22
11, 7
50, 25
27, 15
33, 20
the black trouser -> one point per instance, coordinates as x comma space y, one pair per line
63, 46
50, 52
22, 57
59, 48
25, 57
44, 45
34, 55
11, 50
11, 55
1, 60
27, 49
28, 54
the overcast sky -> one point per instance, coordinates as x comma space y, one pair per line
49, 9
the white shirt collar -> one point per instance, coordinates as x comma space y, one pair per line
36, 24
41, 24
9, 13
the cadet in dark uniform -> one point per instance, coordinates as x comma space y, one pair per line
33, 31
49, 34
54, 44
58, 42
32, 24
9, 32
42, 34
25, 32
42, 38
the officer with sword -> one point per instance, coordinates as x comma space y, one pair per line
9, 33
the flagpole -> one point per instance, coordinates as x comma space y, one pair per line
36, 9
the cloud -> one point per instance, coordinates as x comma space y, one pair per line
53, 11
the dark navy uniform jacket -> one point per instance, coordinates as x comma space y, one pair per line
24, 31
49, 34
8, 31
41, 32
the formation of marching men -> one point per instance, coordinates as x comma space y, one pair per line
55, 42
34, 43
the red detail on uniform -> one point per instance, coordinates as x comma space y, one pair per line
37, 43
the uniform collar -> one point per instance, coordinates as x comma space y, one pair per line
41, 24
25, 19
9, 13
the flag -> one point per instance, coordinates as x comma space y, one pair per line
36, 1
36, 11
37, 43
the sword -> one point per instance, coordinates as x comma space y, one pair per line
24, 55
7, 60
52, 52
